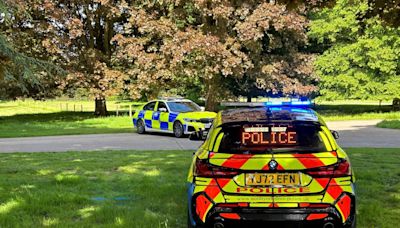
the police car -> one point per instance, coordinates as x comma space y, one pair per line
272, 164
172, 115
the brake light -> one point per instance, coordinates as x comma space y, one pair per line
341, 169
205, 169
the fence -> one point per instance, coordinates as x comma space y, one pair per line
117, 109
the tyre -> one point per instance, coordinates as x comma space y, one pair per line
141, 127
178, 129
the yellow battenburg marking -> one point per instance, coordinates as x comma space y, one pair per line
164, 117
155, 124
148, 115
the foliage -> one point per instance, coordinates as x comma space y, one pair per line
21, 74
174, 44
362, 59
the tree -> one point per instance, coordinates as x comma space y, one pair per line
362, 55
75, 35
20, 73
176, 42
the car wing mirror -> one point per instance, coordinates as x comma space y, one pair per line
335, 134
163, 110
202, 108
198, 136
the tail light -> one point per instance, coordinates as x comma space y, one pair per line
205, 169
341, 169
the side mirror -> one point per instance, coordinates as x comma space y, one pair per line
335, 134
163, 110
202, 108
198, 136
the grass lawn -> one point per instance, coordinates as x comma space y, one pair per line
147, 189
37, 118
62, 123
394, 124
339, 111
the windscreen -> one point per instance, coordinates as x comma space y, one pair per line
269, 138
183, 106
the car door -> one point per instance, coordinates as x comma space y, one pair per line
148, 110
163, 116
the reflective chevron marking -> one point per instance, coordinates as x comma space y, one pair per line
309, 160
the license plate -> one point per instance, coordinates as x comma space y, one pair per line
264, 179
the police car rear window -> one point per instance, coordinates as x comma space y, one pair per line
269, 138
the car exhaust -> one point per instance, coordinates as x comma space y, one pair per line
329, 225
218, 225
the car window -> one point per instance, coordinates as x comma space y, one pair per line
183, 106
272, 138
161, 105
150, 106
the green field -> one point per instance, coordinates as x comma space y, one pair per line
147, 189
394, 124
38, 118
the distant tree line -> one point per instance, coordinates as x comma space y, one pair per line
199, 48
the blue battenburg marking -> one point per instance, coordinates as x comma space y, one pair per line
148, 123
172, 117
134, 122
141, 114
156, 116
164, 125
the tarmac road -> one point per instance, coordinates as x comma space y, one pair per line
352, 134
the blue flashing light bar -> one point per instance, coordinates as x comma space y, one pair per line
268, 104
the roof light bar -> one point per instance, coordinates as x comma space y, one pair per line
267, 104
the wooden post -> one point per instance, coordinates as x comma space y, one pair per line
130, 110
81, 107
117, 109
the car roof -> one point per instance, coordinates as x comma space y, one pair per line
173, 100
273, 114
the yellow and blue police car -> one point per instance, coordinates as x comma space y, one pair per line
272, 164
172, 115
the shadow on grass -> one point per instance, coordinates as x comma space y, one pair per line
61, 123
129, 189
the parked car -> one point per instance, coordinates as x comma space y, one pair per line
172, 115
272, 164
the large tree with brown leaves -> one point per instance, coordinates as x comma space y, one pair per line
174, 43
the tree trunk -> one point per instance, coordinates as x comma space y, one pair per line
101, 107
211, 98
249, 97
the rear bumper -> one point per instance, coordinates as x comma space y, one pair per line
282, 217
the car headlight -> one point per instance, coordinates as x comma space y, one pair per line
189, 120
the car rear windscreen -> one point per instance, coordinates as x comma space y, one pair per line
274, 137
